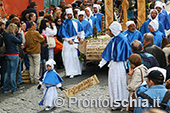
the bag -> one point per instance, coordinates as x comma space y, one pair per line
51, 42
58, 47
163, 105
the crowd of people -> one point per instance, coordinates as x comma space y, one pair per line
134, 56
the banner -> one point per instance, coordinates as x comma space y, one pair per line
81, 86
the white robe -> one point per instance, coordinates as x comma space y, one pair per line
70, 59
117, 81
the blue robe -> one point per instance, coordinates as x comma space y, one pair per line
164, 11
131, 36
157, 38
121, 50
52, 78
99, 20
144, 28
165, 20
87, 28
67, 29
94, 22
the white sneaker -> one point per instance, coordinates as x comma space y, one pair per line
72, 76
48, 108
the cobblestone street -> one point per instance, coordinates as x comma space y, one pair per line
26, 100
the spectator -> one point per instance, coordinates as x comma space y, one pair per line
12, 56
52, 9
135, 76
165, 46
41, 16
84, 2
31, 17
57, 57
62, 4
147, 59
149, 47
156, 89
10, 18
33, 40
168, 68
3, 64
30, 9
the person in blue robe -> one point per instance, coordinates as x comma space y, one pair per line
116, 52
158, 36
89, 17
132, 34
99, 16
49, 80
72, 33
162, 17
153, 15
86, 25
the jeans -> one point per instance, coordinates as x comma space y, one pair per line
26, 60
3, 64
12, 65
19, 72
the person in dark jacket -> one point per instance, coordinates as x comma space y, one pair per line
168, 68
2, 58
151, 48
12, 56
57, 57
30, 9
147, 59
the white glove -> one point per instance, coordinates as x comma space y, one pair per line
102, 63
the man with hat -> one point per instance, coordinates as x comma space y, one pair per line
132, 34
71, 31
156, 91
86, 25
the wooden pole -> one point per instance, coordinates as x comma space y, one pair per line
141, 12
109, 12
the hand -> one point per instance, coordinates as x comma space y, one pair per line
81, 40
70, 42
19, 30
53, 24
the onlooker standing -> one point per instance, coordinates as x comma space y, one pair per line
62, 4
31, 17
135, 76
41, 16
2, 54
149, 47
33, 40
12, 55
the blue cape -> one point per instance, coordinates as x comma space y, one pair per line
164, 19
157, 38
52, 78
144, 28
87, 28
67, 29
121, 50
99, 21
131, 36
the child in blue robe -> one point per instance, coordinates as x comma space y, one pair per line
49, 80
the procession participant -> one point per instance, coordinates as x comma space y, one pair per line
91, 19
162, 17
116, 52
153, 15
132, 34
49, 81
99, 17
158, 36
86, 25
71, 30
